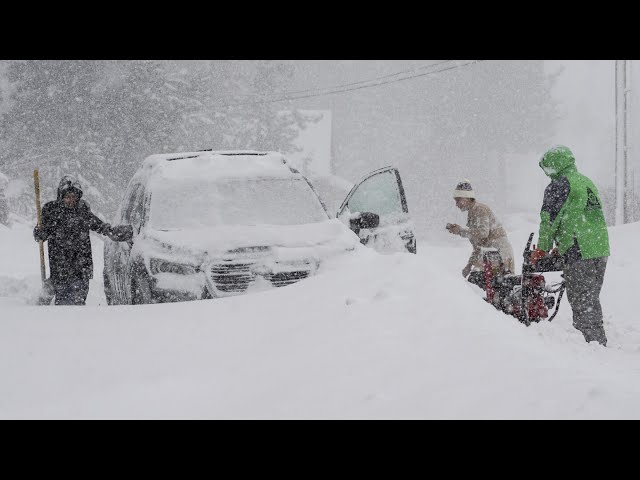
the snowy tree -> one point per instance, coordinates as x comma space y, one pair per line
98, 119
224, 106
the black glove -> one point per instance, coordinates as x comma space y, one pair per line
122, 233
39, 233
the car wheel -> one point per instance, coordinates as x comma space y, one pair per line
412, 246
108, 293
141, 290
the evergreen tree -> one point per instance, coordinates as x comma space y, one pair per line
98, 120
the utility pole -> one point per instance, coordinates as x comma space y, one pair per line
623, 91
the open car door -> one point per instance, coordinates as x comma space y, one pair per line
376, 210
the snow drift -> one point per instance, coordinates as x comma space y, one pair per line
369, 336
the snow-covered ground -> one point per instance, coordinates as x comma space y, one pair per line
370, 336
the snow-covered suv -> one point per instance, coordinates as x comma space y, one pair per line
212, 224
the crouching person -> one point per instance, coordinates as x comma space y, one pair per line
65, 225
483, 230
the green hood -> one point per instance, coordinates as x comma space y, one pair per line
580, 217
557, 161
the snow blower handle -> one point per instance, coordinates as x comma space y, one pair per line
526, 266
36, 184
528, 247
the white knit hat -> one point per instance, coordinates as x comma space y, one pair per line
464, 190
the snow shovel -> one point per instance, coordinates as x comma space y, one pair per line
47, 292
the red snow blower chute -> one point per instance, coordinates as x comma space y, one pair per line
527, 297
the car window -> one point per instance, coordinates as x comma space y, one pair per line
131, 202
242, 201
137, 214
378, 194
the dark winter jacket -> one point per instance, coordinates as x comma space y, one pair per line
4, 209
67, 230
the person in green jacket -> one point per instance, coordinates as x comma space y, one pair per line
572, 218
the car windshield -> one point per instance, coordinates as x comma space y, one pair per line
266, 201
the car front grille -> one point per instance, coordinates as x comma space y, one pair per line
236, 277
232, 277
286, 278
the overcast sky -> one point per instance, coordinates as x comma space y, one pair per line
586, 89
375, 125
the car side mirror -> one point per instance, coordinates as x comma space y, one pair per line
364, 220
369, 220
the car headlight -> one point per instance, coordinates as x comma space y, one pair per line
163, 266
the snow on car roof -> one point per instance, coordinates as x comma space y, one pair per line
209, 165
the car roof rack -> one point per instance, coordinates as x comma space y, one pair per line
239, 152
221, 152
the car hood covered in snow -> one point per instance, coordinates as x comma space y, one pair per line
316, 239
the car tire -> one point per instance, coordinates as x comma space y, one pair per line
108, 293
141, 289
412, 247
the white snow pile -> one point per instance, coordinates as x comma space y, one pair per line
369, 336
213, 165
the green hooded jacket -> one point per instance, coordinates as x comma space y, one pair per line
571, 210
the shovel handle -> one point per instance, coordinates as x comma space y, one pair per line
36, 184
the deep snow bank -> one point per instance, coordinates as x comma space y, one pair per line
370, 336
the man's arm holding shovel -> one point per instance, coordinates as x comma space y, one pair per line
40, 234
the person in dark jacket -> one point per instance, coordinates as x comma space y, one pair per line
65, 224
4, 208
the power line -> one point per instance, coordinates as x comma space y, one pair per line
367, 81
319, 89
339, 89
405, 78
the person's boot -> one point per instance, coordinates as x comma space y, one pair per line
595, 334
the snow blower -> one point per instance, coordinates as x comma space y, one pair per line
527, 297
